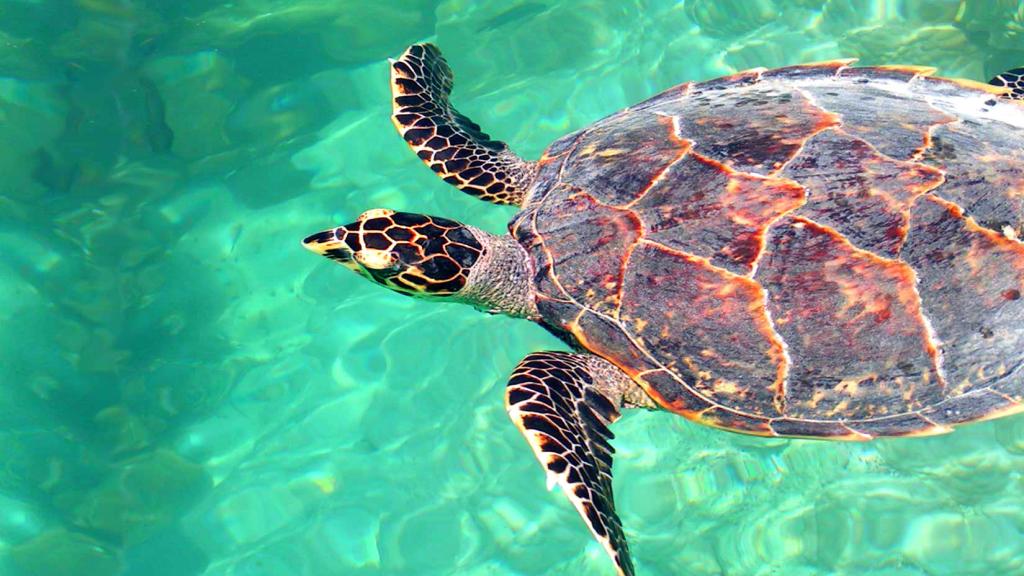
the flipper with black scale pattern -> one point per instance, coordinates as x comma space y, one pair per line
555, 400
449, 143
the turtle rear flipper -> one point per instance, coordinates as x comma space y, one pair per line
1012, 79
449, 143
563, 404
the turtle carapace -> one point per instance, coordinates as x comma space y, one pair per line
819, 251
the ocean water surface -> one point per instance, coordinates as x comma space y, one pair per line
185, 391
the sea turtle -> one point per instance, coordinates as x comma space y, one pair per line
818, 251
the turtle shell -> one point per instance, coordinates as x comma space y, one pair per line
820, 250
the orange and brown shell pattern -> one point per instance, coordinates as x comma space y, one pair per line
817, 251
412, 254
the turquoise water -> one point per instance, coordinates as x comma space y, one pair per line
185, 391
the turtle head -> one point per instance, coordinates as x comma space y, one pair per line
412, 254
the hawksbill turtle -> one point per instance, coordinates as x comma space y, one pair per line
817, 251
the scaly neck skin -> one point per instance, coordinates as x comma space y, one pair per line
501, 281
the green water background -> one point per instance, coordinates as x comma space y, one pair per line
185, 391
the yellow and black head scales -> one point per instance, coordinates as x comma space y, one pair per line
1012, 79
410, 253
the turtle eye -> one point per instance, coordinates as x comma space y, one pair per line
377, 260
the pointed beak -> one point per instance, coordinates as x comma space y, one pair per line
326, 243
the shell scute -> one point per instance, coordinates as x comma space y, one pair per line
971, 279
588, 244
856, 190
672, 392
907, 424
886, 113
853, 325
750, 126
559, 315
747, 369
707, 209
976, 405
616, 161
549, 168
720, 417
984, 172
814, 429
608, 338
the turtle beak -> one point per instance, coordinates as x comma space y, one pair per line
327, 244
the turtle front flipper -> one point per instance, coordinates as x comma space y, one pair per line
563, 404
449, 143
1012, 79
